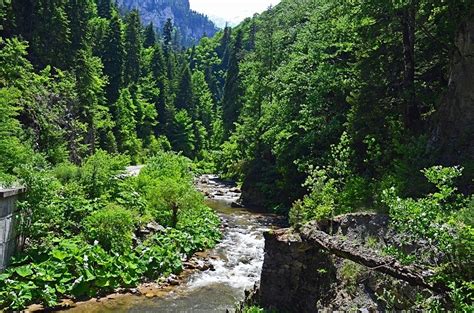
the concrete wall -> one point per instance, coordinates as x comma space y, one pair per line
8, 224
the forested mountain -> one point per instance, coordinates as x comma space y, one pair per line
348, 92
80, 77
191, 26
318, 107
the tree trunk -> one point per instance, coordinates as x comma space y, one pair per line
359, 254
412, 112
454, 126
174, 217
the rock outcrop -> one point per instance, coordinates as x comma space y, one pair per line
334, 265
192, 26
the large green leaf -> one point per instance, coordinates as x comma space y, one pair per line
24, 271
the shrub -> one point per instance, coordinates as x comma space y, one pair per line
320, 203
351, 274
99, 172
436, 218
167, 165
169, 198
66, 172
112, 227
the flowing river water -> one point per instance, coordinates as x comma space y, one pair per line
236, 263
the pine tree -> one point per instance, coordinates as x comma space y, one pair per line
184, 97
104, 8
203, 100
168, 36
50, 35
159, 73
90, 90
79, 13
224, 42
127, 140
182, 133
113, 59
150, 36
133, 48
232, 100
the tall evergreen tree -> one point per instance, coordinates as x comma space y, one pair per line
150, 36
159, 73
104, 8
113, 59
184, 97
232, 100
224, 42
90, 89
168, 35
133, 48
127, 140
50, 36
79, 13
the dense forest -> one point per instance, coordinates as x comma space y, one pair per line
317, 107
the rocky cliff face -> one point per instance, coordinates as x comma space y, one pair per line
299, 276
192, 26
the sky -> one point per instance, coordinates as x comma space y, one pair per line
232, 11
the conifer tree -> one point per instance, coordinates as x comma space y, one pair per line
168, 36
50, 37
133, 48
90, 90
184, 97
232, 99
113, 59
79, 14
104, 8
159, 73
126, 124
150, 36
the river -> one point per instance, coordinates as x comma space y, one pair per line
236, 264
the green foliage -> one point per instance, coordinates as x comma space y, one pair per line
99, 173
126, 111
133, 44
12, 150
351, 274
436, 219
319, 204
78, 224
255, 309
111, 227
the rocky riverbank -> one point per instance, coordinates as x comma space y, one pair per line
212, 281
340, 264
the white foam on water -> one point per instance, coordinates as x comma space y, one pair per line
243, 247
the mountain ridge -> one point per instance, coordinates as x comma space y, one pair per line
191, 25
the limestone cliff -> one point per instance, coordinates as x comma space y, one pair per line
192, 26
301, 273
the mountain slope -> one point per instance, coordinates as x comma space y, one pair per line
192, 26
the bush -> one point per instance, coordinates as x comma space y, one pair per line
436, 219
111, 227
66, 172
81, 222
99, 173
320, 203
167, 165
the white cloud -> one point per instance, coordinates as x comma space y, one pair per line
233, 11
